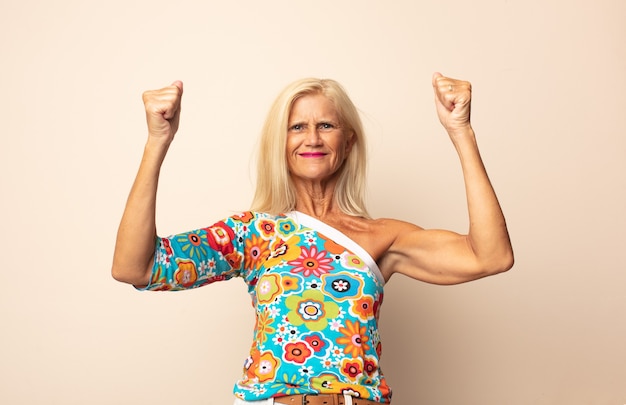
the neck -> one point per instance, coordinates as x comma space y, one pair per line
316, 198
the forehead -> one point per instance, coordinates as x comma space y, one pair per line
313, 106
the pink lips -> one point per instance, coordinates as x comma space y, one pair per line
312, 154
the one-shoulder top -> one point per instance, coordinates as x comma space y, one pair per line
316, 295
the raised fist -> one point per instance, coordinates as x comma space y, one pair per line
163, 111
453, 101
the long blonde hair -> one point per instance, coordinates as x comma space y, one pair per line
275, 192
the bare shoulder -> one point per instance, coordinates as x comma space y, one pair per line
385, 239
394, 225
381, 237
376, 236
393, 229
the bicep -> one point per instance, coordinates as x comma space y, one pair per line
433, 256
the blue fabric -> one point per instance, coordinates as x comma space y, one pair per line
316, 295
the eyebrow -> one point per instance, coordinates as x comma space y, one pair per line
320, 121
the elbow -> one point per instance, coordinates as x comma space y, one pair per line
133, 270
119, 274
492, 258
492, 265
509, 261
137, 277
501, 263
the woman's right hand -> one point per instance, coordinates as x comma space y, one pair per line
134, 248
163, 111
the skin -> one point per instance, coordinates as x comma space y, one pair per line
317, 146
134, 247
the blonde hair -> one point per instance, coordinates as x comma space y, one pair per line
275, 192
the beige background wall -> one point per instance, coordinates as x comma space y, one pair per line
549, 85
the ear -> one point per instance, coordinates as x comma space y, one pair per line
350, 142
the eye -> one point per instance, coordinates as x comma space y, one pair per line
327, 126
296, 127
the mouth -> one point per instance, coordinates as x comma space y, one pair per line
312, 154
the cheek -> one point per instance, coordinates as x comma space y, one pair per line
291, 144
289, 148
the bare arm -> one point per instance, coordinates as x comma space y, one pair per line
134, 248
445, 257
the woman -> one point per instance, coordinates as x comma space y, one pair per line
314, 261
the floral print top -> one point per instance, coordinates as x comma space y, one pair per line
316, 295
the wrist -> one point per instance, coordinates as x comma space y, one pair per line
158, 142
462, 134
156, 149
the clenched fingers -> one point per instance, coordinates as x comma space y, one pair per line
163, 110
453, 100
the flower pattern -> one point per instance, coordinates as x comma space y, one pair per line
286, 227
291, 283
186, 274
297, 352
363, 308
316, 302
290, 385
310, 309
311, 262
266, 228
255, 252
268, 288
354, 339
220, 237
194, 244
283, 251
234, 259
265, 368
317, 342
354, 261
263, 327
342, 286
352, 368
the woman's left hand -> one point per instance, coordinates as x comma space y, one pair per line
445, 257
453, 101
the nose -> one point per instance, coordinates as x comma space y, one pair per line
313, 137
